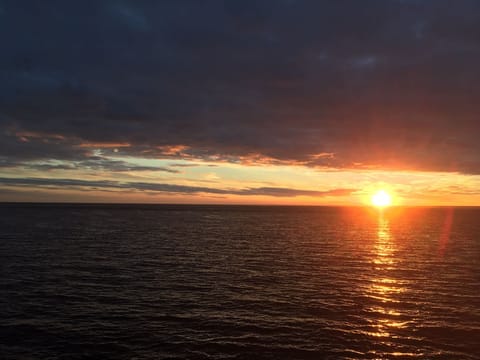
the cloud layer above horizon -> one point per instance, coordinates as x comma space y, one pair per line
389, 85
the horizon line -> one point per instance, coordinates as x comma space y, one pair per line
225, 205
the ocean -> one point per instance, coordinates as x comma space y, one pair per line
238, 282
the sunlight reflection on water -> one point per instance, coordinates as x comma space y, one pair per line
386, 288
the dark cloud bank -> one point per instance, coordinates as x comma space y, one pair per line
389, 84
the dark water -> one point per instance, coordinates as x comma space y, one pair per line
158, 282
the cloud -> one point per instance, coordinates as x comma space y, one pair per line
186, 165
385, 84
286, 192
166, 188
98, 163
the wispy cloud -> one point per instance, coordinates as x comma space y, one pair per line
99, 163
168, 188
95, 163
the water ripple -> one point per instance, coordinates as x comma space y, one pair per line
206, 282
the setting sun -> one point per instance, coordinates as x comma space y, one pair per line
381, 199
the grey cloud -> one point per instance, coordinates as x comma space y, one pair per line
386, 83
100, 164
186, 165
168, 188
286, 192
56, 182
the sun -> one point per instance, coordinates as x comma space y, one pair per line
381, 199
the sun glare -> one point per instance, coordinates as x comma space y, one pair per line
381, 199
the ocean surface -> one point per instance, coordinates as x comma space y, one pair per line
238, 282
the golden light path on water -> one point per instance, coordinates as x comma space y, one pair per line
386, 289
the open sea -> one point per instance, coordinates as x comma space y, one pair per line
238, 282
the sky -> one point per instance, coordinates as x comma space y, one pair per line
311, 102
